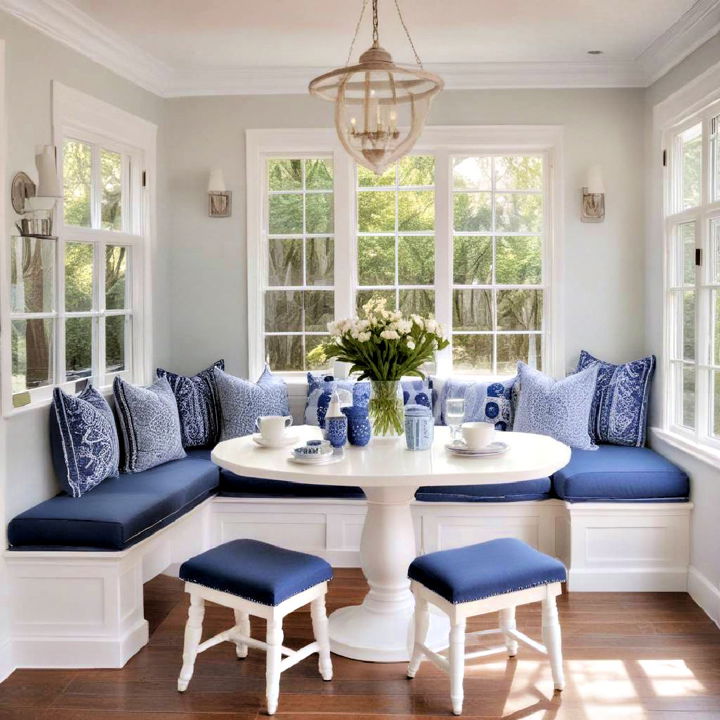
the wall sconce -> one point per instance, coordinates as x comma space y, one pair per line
593, 197
35, 204
219, 199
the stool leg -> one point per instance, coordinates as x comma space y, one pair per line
274, 641
552, 640
457, 665
193, 634
242, 621
422, 622
507, 622
320, 630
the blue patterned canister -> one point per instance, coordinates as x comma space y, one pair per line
337, 430
419, 426
359, 431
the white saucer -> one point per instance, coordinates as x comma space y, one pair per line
325, 459
286, 440
495, 448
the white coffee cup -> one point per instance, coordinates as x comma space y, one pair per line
272, 427
478, 435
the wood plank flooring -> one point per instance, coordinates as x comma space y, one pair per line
627, 655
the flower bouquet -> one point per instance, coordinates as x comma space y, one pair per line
384, 346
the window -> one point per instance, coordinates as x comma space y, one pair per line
464, 234
73, 299
692, 212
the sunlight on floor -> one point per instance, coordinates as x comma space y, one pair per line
671, 678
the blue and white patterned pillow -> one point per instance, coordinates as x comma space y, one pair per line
620, 405
198, 405
149, 424
242, 402
558, 408
84, 440
485, 401
321, 387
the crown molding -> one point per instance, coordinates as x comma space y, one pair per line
64, 22
694, 27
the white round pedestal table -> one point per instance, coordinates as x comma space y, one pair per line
389, 474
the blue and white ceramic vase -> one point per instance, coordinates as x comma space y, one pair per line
337, 430
419, 427
359, 431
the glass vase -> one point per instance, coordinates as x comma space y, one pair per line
386, 409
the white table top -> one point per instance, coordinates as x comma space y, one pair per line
388, 462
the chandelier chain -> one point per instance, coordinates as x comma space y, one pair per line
407, 33
357, 30
375, 35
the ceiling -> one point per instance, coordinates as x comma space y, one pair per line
178, 47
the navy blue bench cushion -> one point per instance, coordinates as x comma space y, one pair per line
502, 492
256, 571
615, 473
120, 511
484, 570
232, 485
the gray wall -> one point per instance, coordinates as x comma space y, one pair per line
603, 276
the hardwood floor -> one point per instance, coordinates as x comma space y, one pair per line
627, 655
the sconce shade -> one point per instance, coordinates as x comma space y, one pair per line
594, 183
217, 181
48, 185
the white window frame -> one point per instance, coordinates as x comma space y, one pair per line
443, 143
82, 117
700, 436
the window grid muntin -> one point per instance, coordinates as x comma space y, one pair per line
303, 191
396, 234
494, 235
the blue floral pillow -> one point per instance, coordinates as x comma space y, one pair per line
242, 402
484, 401
321, 387
149, 424
620, 405
84, 440
558, 408
198, 405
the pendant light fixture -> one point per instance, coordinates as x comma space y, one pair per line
380, 107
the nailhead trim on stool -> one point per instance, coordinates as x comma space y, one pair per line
494, 576
255, 578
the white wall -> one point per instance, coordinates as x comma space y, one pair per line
705, 476
604, 278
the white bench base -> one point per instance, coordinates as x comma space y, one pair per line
85, 609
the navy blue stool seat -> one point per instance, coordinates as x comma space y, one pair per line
256, 571
256, 578
480, 571
494, 576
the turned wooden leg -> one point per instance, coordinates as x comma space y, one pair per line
422, 622
320, 630
507, 622
242, 621
553, 641
457, 665
193, 634
274, 641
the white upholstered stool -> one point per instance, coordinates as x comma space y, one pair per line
255, 578
493, 576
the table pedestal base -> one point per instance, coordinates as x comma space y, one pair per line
360, 634
380, 630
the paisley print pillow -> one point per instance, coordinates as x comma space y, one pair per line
84, 440
198, 405
558, 408
149, 424
620, 405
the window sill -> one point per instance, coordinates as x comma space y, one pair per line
45, 403
702, 453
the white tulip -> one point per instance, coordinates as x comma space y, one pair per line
411, 344
363, 336
389, 335
431, 325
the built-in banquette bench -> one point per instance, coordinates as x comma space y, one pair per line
618, 517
